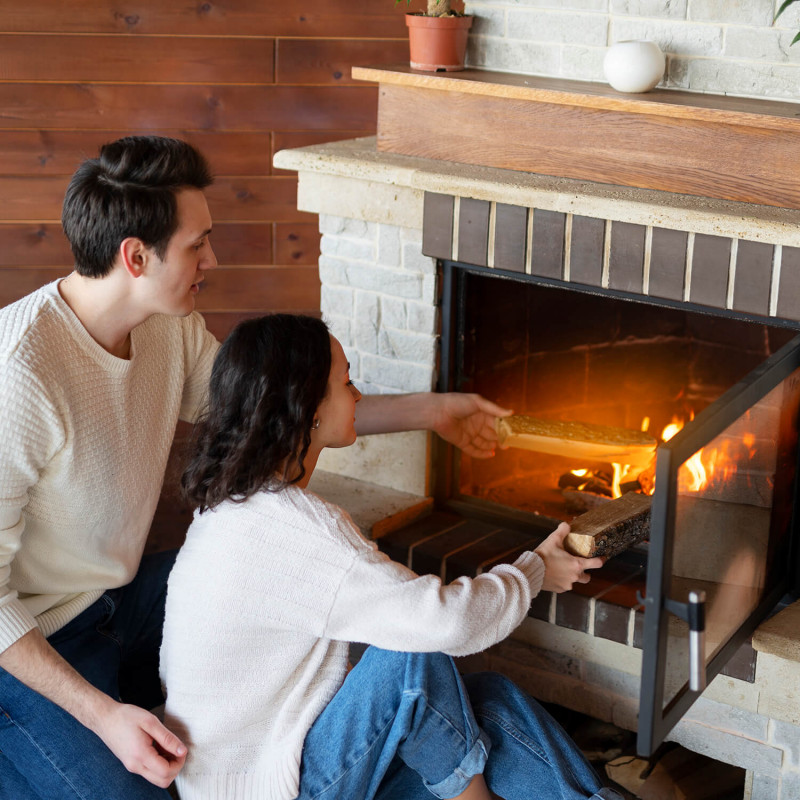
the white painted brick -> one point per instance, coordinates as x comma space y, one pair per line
366, 322
726, 747
583, 63
354, 358
392, 282
765, 787
671, 37
488, 21
429, 289
415, 261
393, 313
388, 246
790, 786
411, 235
332, 271
341, 328
530, 58
674, 9
422, 318
777, 680
342, 226
745, 78
336, 300
619, 683
723, 717
561, 28
561, 5
763, 44
396, 375
404, 346
351, 249
743, 12
787, 737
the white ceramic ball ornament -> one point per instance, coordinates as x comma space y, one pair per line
634, 66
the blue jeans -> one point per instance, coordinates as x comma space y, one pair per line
45, 753
406, 726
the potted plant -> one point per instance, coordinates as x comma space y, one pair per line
437, 38
784, 5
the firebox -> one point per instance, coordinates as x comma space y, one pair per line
719, 393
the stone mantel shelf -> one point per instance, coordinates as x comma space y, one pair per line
353, 178
698, 144
756, 113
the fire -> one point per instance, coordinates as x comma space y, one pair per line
695, 477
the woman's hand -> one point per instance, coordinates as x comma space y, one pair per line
562, 569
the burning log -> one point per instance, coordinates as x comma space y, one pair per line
578, 440
611, 528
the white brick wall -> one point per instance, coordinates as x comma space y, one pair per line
715, 46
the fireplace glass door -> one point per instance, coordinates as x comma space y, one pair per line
720, 395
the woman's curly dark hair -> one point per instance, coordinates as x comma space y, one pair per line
268, 379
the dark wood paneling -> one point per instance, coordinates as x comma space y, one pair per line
351, 18
34, 244
48, 152
255, 199
297, 243
242, 244
16, 282
278, 288
284, 140
179, 59
318, 61
149, 107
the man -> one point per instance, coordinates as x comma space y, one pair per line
95, 371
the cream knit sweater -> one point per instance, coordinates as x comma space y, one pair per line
262, 601
84, 441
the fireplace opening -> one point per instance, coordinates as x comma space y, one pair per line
719, 395
564, 355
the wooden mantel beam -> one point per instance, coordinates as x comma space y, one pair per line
699, 144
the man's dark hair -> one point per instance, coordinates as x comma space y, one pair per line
129, 190
268, 379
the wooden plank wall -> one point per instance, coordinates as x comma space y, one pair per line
240, 79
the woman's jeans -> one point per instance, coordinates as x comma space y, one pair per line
403, 726
400, 723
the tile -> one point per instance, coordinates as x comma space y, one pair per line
789, 287
742, 664
638, 627
427, 556
437, 225
753, 277
626, 257
473, 231
548, 244
586, 250
510, 237
668, 263
540, 606
572, 611
488, 551
710, 267
611, 621
396, 543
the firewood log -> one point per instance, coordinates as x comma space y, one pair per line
611, 528
576, 440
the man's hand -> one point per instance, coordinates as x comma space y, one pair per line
142, 743
468, 422
562, 569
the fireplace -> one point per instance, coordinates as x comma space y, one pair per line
714, 285
721, 394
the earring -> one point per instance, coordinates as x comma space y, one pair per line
315, 424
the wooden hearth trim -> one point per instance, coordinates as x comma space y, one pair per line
753, 278
705, 145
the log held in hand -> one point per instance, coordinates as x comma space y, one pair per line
610, 528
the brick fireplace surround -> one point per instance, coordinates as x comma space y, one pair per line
385, 220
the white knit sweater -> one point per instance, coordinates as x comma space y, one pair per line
84, 441
262, 601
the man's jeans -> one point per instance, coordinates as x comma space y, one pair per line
46, 753
402, 727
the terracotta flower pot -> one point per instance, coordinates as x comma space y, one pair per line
437, 44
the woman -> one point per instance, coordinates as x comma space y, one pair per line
273, 583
